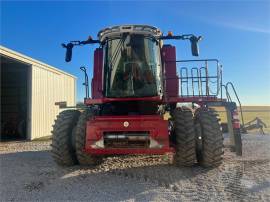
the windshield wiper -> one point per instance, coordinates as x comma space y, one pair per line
117, 51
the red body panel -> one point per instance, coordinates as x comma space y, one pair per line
171, 78
97, 74
154, 124
90, 101
195, 99
129, 151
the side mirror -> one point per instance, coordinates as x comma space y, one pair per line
194, 45
69, 47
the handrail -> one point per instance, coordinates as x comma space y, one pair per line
86, 82
200, 79
184, 78
236, 95
223, 86
195, 80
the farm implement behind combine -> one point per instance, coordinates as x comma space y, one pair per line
139, 102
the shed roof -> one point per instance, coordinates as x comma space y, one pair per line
26, 59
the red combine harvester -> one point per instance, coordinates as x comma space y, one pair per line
139, 102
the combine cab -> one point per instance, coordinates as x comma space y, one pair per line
144, 101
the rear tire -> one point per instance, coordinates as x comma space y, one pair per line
80, 137
62, 151
209, 140
184, 135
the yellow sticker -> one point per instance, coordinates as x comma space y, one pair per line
166, 116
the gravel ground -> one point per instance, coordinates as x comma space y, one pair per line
28, 173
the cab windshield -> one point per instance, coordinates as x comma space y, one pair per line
132, 67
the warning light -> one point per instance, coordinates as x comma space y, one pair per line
170, 33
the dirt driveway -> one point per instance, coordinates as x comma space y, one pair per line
28, 173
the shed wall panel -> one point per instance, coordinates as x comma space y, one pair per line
48, 87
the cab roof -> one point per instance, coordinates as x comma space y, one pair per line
116, 31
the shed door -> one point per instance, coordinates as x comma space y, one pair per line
14, 99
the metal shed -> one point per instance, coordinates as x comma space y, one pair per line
29, 90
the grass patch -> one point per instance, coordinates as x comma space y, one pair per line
250, 113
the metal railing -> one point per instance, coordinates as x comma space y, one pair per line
199, 78
229, 98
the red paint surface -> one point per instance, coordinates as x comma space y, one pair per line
97, 74
195, 99
171, 78
126, 151
154, 124
90, 101
236, 125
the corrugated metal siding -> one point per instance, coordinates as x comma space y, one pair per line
47, 88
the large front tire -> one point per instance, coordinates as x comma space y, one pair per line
63, 152
80, 138
209, 138
184, 136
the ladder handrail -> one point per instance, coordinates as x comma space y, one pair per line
236, 95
